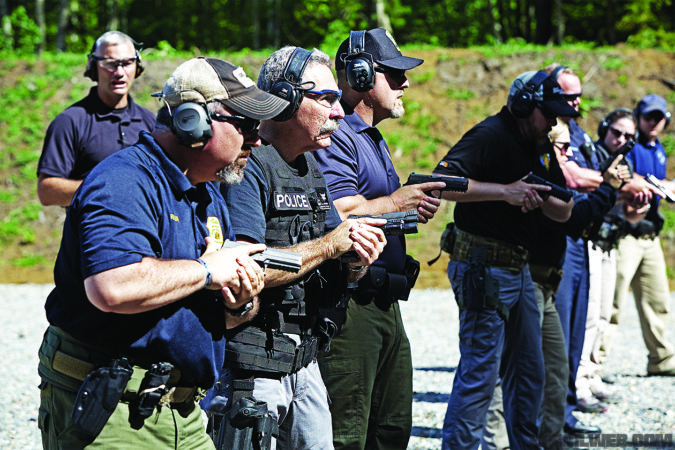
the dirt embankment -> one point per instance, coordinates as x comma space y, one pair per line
450, 92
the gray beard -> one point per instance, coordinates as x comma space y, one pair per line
398, 111
231, 174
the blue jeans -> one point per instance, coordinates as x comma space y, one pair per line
572, 304
490, 347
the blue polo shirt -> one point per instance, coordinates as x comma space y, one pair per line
358, 162
649, 159
138, 203
89, 131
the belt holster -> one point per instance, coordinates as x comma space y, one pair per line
248, 425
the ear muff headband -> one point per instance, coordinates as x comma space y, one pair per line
603, 127
523, 102
556, 72
359, 69
289, 87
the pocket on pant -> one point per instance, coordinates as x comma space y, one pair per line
344, 382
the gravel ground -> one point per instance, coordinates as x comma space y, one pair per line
647, 406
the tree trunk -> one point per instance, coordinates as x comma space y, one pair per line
494, 25
560, 25
40, 21
382, 17
64, 17
256, 25
6, 23
113, 15
544, 23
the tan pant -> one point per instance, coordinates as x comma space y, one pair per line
641, 265
602, 277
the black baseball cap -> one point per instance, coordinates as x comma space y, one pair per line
385, 52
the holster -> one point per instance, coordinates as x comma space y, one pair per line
386, 287
99, 395
480, 291
247, 425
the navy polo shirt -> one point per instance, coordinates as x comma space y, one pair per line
89, 131
138, 203
248, 200
578, 137
358, 162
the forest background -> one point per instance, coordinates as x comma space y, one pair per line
473, 49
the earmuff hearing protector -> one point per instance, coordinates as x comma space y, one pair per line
359, 69
191, 123
556, 72
603, 127
523, 102
288, 87
91, 71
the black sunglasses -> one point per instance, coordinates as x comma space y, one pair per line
396, 74
617, 133
654, 116
571, 97
245, 124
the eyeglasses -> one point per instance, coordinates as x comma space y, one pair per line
563, 145
617, 133
396, 74
326, 97
245, 124
653, 116
571, 97
111, 64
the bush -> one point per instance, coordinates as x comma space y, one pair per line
24, 34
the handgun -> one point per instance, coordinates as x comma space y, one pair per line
398, 223
556, 191
623, 150
452, 184
273, 258
668, 194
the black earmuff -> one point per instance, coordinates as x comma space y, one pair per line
288, 87
359, 66
603, 126
91, 71
523, 101
191, 123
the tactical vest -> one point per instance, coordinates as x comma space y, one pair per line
297, 204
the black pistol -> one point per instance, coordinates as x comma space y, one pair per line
452, 184
623, 150
273, 258
556, 191
398, 223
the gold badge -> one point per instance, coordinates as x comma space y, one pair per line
546, 160
215, 231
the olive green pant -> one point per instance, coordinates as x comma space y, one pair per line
167, 428
177, 427
368, 374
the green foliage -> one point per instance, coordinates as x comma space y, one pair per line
17, 223
459, 94
24, 36
652, 38
612, 62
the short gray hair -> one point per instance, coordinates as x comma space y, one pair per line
112, 38
272, 70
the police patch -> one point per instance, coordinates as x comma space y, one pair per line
290, 199
215, 231
322, 199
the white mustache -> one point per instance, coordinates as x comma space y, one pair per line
330, 126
